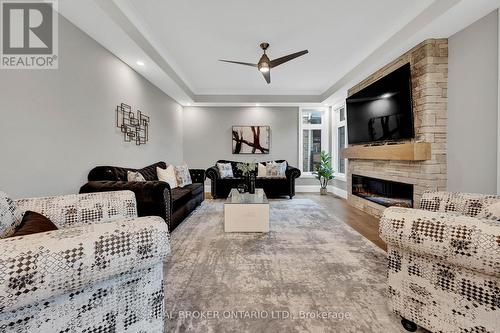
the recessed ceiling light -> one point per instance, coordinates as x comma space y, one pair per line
140, 63
387, 95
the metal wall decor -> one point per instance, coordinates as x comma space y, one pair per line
134, 127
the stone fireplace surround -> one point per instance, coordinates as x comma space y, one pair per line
429, 73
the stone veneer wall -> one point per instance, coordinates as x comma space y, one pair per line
429, 67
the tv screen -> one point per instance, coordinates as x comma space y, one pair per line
383, 110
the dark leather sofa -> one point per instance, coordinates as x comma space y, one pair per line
154, 198
273, 187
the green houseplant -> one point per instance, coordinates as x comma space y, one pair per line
324, 171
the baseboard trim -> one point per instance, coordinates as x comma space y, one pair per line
307, 189
337, 191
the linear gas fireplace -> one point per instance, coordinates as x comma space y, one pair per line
383, 192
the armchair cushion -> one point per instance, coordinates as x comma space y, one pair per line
456, 239
37, 267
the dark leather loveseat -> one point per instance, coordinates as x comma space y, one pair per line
154, 198
273, 187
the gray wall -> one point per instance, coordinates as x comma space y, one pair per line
207, 135
57, 124
473, 107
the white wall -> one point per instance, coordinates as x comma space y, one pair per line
473, 107
56, 125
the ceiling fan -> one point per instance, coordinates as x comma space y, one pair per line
265, 64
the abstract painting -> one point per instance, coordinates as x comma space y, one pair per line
251, 139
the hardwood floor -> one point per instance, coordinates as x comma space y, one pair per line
360, 221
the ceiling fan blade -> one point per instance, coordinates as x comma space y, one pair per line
239, 63
267, 76
279, 61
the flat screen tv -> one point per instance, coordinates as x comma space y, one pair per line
383, 110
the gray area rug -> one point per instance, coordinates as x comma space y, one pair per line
311, 273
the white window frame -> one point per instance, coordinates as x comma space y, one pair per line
336, 124
324, 126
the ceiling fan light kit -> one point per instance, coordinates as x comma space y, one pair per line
265, 64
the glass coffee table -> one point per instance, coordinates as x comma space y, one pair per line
245, 212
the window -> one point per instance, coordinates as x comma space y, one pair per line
313, 137
339, 141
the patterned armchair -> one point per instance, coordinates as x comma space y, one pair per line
444, 263
101, 271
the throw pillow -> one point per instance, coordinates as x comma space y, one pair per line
261, 170
33, 223
491, 212
9, 215
182, 175
225, 170
135, 176
167, 175
276, 170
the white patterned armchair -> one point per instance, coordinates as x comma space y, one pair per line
102, 271
444, 262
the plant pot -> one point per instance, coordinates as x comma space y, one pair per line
323, 191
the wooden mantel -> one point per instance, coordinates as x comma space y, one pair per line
411, 151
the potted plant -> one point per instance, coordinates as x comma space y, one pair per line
324, 171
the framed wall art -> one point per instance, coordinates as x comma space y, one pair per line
251, 139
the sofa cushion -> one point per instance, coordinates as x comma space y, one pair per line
167, 175
135, 176
10, 216
225, 170
274, 169
182, 195
182, 175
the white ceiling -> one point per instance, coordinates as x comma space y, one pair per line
195, 33
181, 41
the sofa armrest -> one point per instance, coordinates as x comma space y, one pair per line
197, 175
292, 172
456, 239
213, 173
153, 197
36, 267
